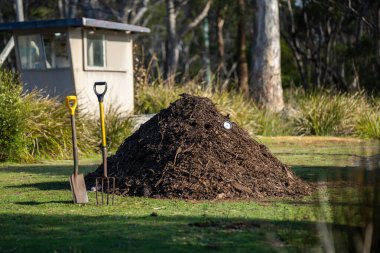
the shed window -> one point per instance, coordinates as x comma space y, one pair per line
47, 51
96, 50
56, 50
30, 51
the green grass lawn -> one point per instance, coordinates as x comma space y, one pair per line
37, 215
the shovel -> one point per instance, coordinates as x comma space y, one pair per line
78, 186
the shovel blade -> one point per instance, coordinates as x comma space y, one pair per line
78, 188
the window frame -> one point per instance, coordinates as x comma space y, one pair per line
85, 52
67, 50
42, 49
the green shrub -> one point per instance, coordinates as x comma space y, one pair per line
153, 98
368, 126
12, 115
34, 126
48, 133
325, 113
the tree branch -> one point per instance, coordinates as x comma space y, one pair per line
140, 13
197, 20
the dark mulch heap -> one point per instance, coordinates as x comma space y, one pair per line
185, 152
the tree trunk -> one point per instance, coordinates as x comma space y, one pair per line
73, 8
220, 42
172, 41
61, 9
172, 49
242, 48
90, 8
266, 70
206, 55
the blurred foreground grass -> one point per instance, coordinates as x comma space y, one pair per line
36, 213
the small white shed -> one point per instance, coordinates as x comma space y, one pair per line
67, 56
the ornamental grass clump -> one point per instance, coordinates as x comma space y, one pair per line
326, 113
151, 99
35, 126
48, 132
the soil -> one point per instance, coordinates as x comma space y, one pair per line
186, 152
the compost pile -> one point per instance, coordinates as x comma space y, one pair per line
186, 152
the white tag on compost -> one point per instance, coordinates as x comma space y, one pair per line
227, 124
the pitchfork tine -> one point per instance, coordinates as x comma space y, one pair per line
107, 187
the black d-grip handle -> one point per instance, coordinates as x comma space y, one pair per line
100, 95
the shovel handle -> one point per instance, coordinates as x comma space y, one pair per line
71, 103
100, 95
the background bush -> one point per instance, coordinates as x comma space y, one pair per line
368, 125
328, 113
153, 98
12, 117
48, 132
314, 113
118, 128
34, 126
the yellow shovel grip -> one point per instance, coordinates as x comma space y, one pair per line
72, 106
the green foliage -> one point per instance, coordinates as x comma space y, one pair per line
289, 73
49, 129
243, 111
118, 127
154, 98
325, 113
317, 113
247, 114
368, 125
48, 134
12, 115
35, 126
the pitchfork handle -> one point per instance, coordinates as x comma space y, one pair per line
100, 95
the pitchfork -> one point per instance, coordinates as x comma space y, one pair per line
107, 183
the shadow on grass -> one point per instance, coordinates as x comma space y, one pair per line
36, 203
308, 173
327, 173
319, 154
53, 170
76, 233
45, 186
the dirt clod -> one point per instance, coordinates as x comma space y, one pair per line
185, 151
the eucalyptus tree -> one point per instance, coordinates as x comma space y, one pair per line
175, 33
265, 82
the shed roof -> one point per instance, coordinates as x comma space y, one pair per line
73, 22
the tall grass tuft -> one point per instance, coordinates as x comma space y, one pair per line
118, 127
48, 132
368, 125
325, 113
153, 98
34, 126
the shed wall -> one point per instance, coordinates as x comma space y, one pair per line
118, 73
56, 82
